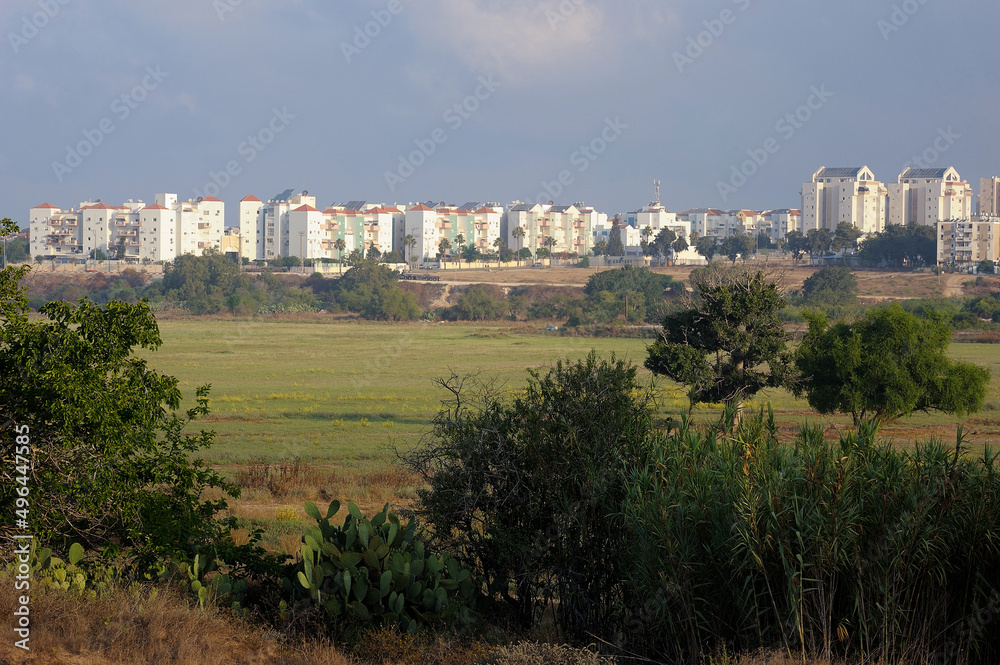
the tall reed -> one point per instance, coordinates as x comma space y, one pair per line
821, 548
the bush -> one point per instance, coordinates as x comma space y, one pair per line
526, 488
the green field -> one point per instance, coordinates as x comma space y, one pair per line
339, 393
324, 403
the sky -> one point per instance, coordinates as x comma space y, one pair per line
729, 103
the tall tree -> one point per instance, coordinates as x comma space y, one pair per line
729, 343
340, 246
443, 248
110, 466
409, 242
518, 234
886, 365
707, 247
663, 241
460, 246
615, 245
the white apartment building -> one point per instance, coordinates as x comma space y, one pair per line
570, 226
158, 233
657, 218
782, 222
429, 226
929, 196
989, 197
966, 242
844, 195
711, 222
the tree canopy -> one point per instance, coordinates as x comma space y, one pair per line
886, 365
900, 246
833, 285
728, 344
110, 466
372, 290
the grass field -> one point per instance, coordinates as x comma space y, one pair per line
309, 410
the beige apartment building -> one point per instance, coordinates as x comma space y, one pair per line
929, 196
967, 242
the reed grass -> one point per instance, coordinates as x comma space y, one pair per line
830, 549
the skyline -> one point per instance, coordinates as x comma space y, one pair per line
457, 100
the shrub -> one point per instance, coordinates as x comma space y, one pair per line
526, 488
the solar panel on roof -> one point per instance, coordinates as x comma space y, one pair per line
284, 196
356, 205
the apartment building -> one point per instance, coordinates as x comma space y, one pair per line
838, 195
779, 223
710, 222
967, 242
429, 226
929, 196
989, 197
158, 232
570, 226
656, 217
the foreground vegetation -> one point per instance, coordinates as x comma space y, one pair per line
565, 505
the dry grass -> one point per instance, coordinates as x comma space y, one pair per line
146, 628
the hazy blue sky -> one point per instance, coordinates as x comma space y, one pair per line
161, 95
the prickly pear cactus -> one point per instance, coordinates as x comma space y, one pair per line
373, 571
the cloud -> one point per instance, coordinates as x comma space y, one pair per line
514, 39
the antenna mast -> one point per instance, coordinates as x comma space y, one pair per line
656, 201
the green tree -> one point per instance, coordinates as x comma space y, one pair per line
444, 247
110, 464
833, 285
615, 246
796, 243
737, 246
527, 487
646, 291
372, 290
600, 248
729, 343
518, 234
819, 241
663, 242
986, 267
886, 365
845, 237
340, 245
680, 244
8, 227
707, 247
900, 246
409, 242
500, 246
460, 248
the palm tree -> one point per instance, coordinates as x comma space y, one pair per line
460, 245
409, 242
340, 246
498, 243
443, 248
548, 244
518, 234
